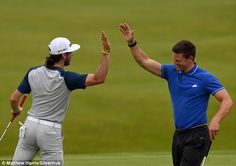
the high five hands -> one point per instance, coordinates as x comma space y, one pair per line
127, 32
106, 44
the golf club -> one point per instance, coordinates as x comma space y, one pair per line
204, 159
13, 117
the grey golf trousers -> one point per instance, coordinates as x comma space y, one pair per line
35, 137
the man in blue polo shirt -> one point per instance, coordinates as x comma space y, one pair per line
190, 88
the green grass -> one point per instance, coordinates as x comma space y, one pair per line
131, 112
215, 158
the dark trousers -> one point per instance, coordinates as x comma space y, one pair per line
190, 146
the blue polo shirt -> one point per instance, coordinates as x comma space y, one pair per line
190, 94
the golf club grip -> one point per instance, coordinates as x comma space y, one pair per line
12, 119
20, 105
209, 147
22, 100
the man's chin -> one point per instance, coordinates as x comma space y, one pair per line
177, 67
66, 63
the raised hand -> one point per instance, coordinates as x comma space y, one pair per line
105, 42
127, 32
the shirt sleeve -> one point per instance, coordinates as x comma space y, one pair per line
213, 85
24, 86
75, 80
166, 69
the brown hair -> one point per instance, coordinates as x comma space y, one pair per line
52, 59
186, 48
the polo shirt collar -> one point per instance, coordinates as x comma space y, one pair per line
55, 68
61, 70
190, 72
193, 70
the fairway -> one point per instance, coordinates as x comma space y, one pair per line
131, 111
215, 158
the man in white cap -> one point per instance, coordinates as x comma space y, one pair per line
51, 86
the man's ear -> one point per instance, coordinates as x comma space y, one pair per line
64, 55
191, 58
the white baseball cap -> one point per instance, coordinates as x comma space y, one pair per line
62, 45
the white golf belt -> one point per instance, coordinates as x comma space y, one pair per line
44, 122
